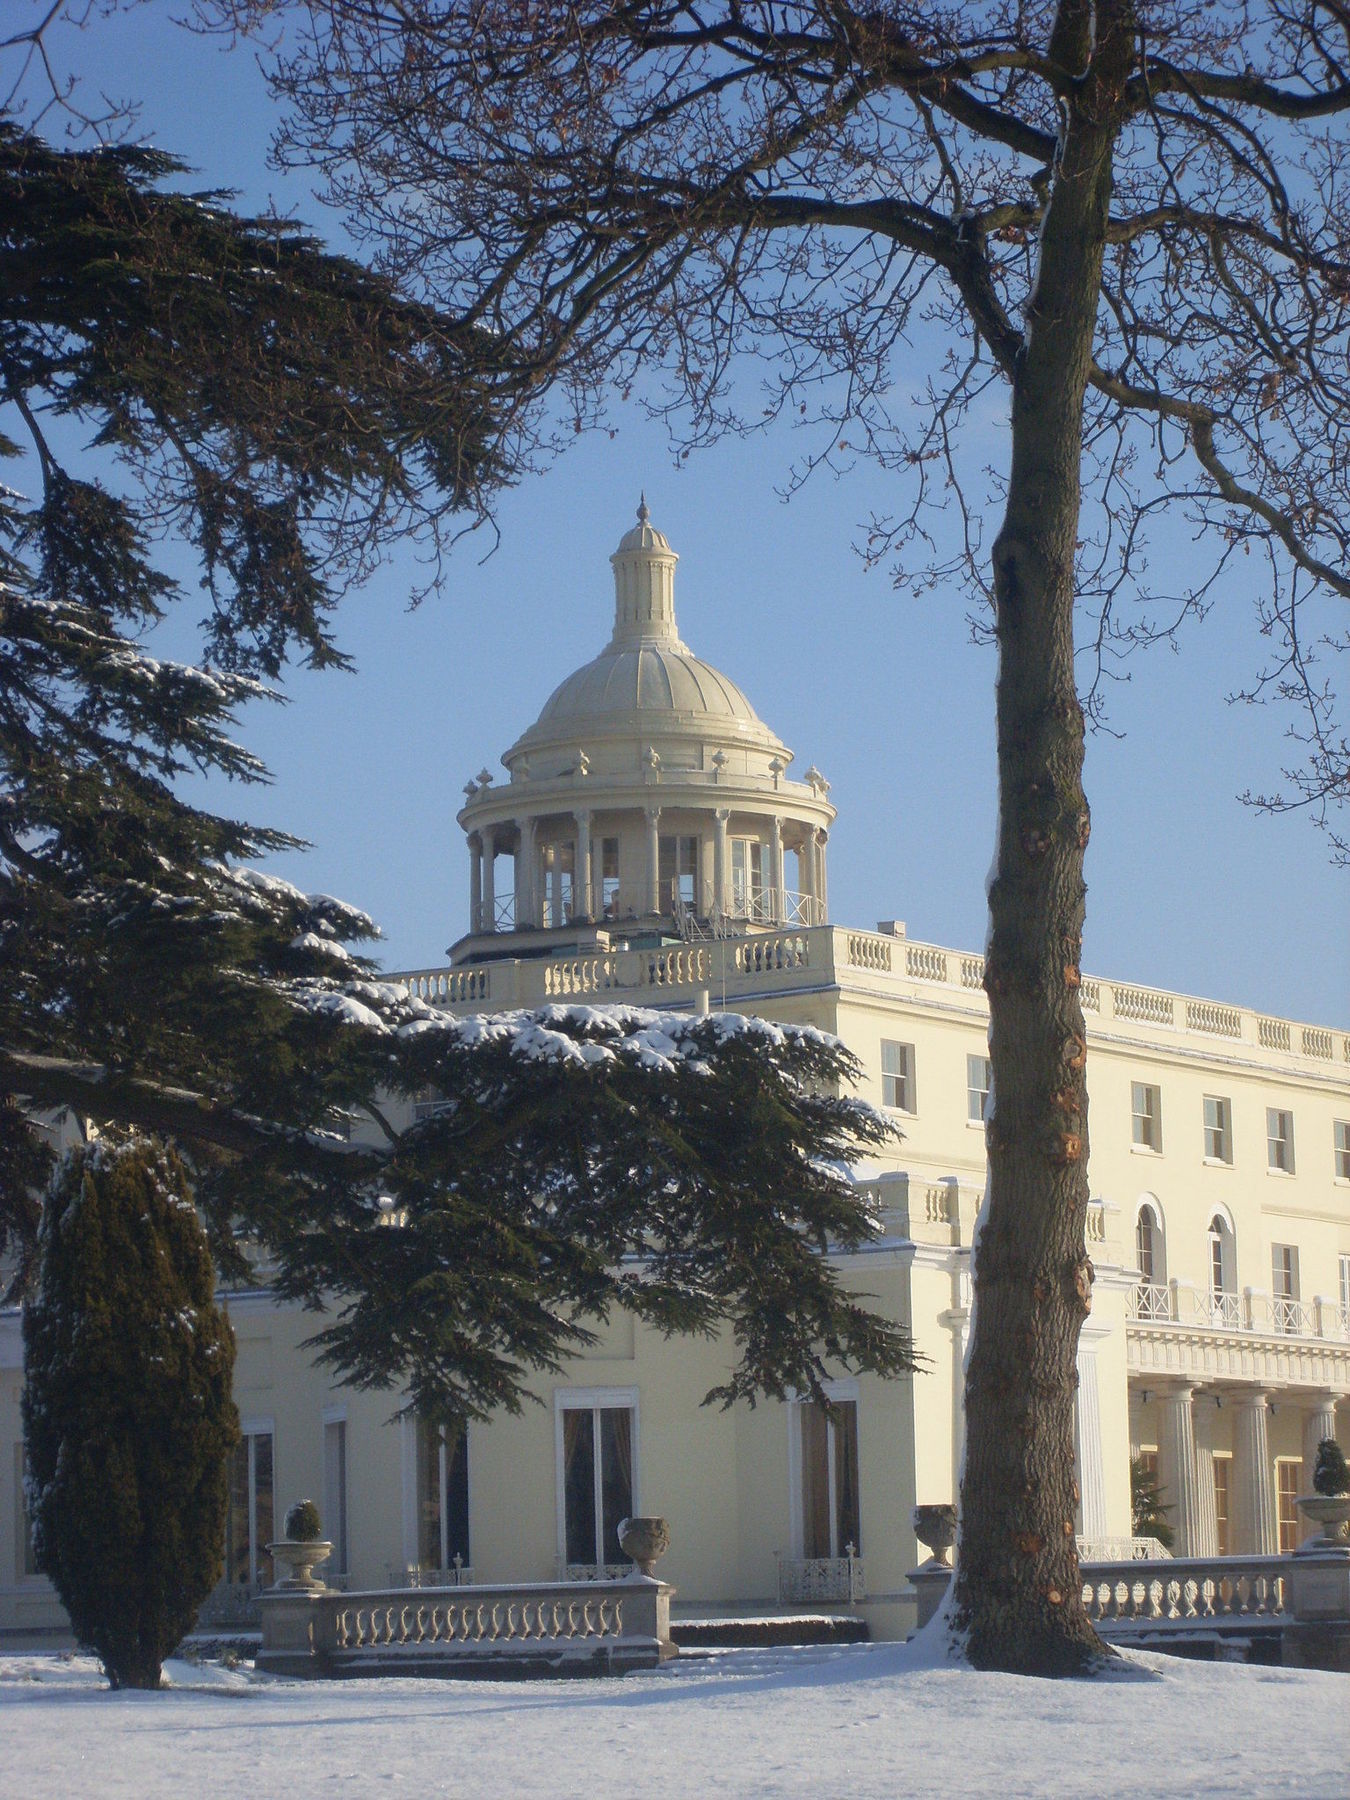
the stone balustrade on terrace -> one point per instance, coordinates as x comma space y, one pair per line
823, 956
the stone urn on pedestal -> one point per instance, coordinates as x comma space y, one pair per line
302, 1547
1329, 1503
935, 1528
644, 1540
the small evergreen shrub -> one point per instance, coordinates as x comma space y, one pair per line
302, 1523
127, 1413
1331, 1472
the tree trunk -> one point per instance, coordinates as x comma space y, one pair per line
1018, 1595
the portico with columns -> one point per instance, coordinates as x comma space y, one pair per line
648, 802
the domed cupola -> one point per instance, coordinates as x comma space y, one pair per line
648, 798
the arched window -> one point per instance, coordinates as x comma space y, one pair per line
1148, 1243
1152, 1299
1223, 1295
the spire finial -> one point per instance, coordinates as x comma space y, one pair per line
644, 515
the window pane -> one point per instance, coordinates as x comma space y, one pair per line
815, 1480
579, 1485
428, 1495
1343, 1149
1221, 1505
844, 1430
263, 1517
1287, 1484
897, 1075
1146, 1115
456, 1497
236, 1519
335, 1492
977, 1087
616, 1476
1280, 1140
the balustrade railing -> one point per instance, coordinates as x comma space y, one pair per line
1117, 1549
816, 1580
1149, 1300
604, 1624
454, 1616
1259, 1314
1190, 1591
447, 987
792, 941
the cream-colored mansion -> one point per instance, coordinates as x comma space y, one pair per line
649, 845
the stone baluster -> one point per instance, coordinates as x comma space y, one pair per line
1254, 1530
475, 882
653, 816
1177, 1467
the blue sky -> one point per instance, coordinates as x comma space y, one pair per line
1188, 889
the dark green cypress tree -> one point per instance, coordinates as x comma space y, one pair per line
127, 1412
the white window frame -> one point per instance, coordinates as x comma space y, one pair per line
337, 1530
1223, 1293
1150, 1204
845, 1390
249, 1429
906, 1082
1284, 1287
1292, 1521
1343, 1270
592, 1399
1146, 1117
409, 1424
1220, 1133
1279, 1140
1340, 1149
1223, 1524
977, 1092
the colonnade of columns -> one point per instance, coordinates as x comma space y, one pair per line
1186, 1469
531, 897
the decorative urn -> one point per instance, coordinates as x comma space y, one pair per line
1329, 1503
935, 1528
644, 1540
302, 1547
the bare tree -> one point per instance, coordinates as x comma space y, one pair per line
1129, 214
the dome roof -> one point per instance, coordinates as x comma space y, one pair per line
645, 678
646, 683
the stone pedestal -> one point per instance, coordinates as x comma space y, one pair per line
1318, 1595
298, 1631
930, 1582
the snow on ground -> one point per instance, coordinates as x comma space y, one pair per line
853, 1722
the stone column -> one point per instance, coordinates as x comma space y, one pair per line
1318, 1423
1209, 1516
525, 855
489, 914
653, 859
822, 879
1176, 1468
1254, 1532
778, 900
581, 872
475, 881
721, 872
1087, 1421
807, 863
